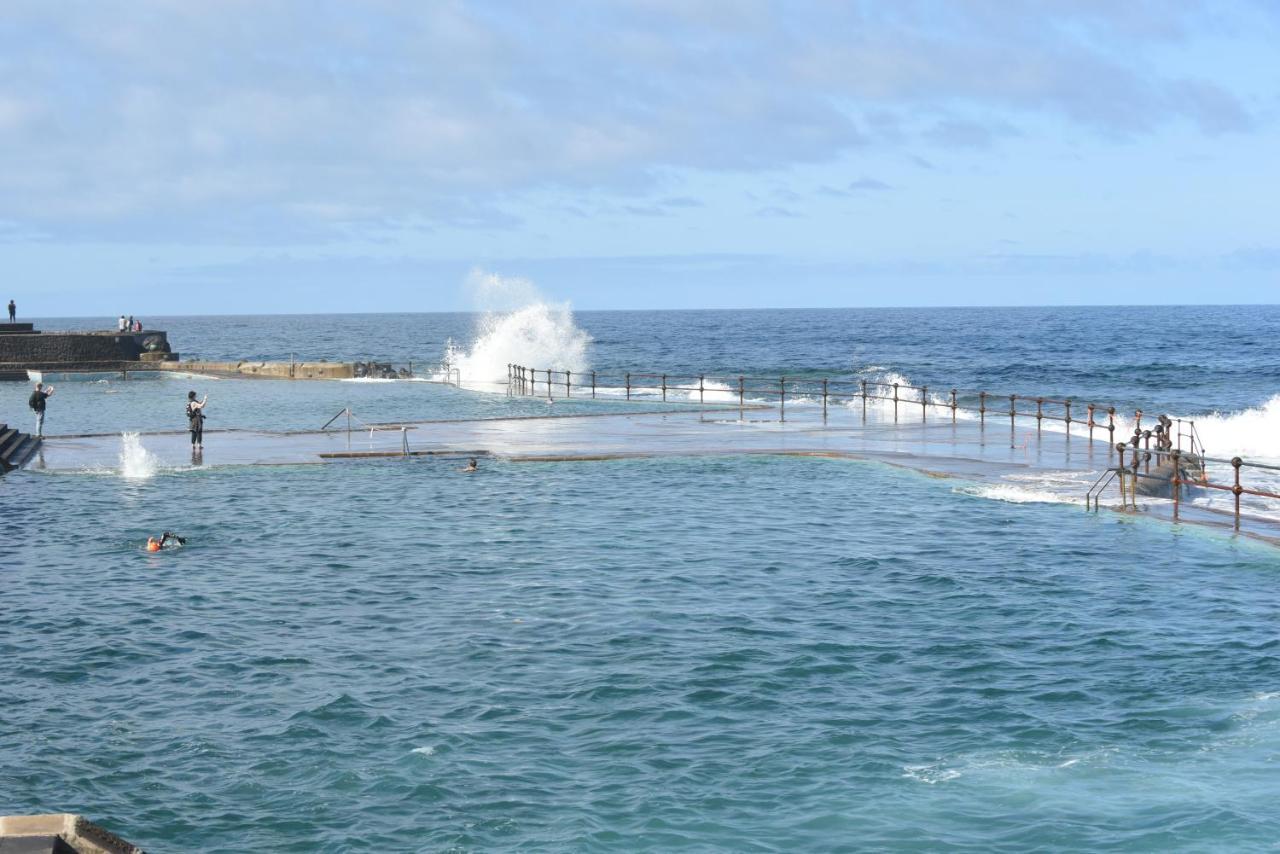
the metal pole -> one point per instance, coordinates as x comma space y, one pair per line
824, 399
924, 403
664, 388
700, 390
1013, 411
1091, 408
628, 385
864, 400
1236, 462
1177, 482
593, 385
404, 440
1121, 472
982, 408
741, 392
782, 398
548, 384
953, 406
1039, 413
1111, 428
568, 389
895, 403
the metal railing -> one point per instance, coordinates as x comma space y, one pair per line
372, 428
1183, 444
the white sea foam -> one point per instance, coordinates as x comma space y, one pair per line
427, 750
519, 326
136, 462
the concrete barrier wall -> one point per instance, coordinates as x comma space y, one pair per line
274, 370
53, 347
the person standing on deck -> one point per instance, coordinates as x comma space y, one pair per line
195, 419
13, 311
37, 404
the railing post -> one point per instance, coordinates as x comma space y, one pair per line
864, 400
824, 399
1091, 408
895, 403
1067, 418
1039, 413
1146, 446
701, 389
628, 385
782, 398
548, 384
741, 392
568, 389
1177, 482
1137, 424
404, 441
593, 385
953, 406
982, 408
508, 379
664, 388
1111, 428
1121, 471
1236, 462
924, 403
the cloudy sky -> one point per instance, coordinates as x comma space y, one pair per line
238, 156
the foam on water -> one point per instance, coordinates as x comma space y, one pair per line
136, 462
519, 326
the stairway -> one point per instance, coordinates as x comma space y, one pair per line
15, 448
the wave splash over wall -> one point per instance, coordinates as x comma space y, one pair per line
519, 326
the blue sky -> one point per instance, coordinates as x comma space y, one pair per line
164, 156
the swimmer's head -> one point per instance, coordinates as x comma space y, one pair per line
153, 545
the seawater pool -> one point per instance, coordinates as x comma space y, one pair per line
111, 404
738, 653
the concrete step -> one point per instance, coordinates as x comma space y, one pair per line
8, 436
13, 376
23, 452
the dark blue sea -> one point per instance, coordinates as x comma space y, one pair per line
719, 653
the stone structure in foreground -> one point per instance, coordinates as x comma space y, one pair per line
59, 833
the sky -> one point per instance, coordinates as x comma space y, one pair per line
258, 156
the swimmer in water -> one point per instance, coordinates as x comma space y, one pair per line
471, 466
154, 545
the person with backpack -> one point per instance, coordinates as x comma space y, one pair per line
37, 403
195, 420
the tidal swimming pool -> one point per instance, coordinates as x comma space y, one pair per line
739, 653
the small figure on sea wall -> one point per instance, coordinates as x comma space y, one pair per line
13, 311
37, 402
122, 324
155, 545
195, 419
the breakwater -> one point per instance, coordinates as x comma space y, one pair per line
23, 347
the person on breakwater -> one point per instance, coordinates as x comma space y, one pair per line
13, 311
37, 403
471, 466
195, 419
120, 324
154, 545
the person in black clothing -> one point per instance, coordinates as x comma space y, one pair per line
37, 402
195, 419
13, 311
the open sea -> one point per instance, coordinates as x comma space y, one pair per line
695, 653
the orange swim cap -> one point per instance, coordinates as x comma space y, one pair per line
153, 545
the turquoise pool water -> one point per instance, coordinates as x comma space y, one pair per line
749, 654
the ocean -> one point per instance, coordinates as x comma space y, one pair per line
708, 652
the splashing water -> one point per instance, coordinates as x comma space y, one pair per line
136, 462
518, 327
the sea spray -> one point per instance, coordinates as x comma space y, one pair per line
136, 462
518, 327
